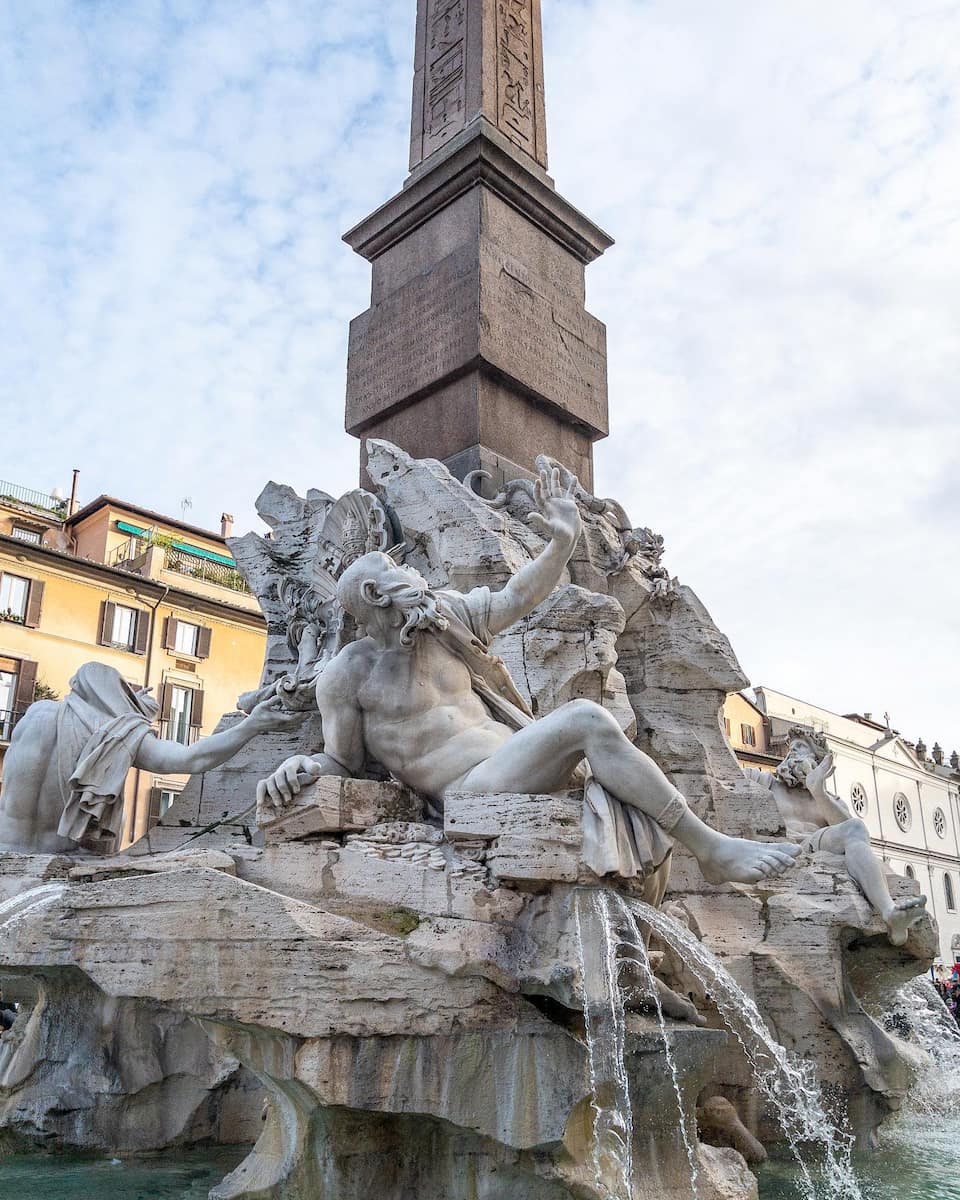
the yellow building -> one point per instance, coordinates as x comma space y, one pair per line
156, 598
748, 733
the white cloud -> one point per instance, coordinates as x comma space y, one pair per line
782, 180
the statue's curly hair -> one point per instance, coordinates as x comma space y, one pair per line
816, 741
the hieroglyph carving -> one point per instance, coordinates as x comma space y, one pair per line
445, 97
515, 71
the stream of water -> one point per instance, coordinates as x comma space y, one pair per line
820, 1150
919, 1153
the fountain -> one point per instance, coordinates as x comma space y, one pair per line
388, 981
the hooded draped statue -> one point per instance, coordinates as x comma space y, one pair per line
68, 761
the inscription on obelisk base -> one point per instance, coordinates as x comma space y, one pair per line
477, 348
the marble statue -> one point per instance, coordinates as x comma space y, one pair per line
65, 771
821, 820
423, 696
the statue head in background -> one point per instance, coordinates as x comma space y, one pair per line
807, 750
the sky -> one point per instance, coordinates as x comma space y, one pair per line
782, 178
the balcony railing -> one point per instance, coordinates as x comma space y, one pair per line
33, 499
8, 722
209, 572
131, 556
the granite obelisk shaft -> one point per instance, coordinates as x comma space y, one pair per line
477, 348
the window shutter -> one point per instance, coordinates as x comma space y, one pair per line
170, 633
107, 611
26, 685
34, 604
196, 716
142, 635
154, 814
166, 701
204, 637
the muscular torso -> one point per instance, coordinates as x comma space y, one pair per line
420, 715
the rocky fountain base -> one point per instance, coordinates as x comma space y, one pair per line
389, 1001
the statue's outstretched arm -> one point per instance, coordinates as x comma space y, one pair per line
559, 521
172, 758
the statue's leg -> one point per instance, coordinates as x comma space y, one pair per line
541, 758
852, 840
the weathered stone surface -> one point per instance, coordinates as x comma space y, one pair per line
87, 1070
152, 864
349, 881
202, 942
501, 1114
533, 839
21, 872
334, 805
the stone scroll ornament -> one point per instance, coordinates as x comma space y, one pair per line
294, 570
640, 544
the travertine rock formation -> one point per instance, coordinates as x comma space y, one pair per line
405, 987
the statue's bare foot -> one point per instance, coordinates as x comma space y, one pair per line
903, 916
738, 860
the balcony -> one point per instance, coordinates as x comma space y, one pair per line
134, 556
23, 497
206, 570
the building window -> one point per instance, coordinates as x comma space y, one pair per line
748, 735
167, 799
124, 628
940, 822
8, 698
858, 799
123, 631
185, 638
181, 714
32, 536
948, 894
726, 726
902, 811
14, 593
909, 872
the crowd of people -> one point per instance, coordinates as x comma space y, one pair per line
947, 983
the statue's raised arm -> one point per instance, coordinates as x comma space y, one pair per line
558, 519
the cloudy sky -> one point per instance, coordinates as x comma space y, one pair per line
783, 302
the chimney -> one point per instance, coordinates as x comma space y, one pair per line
955, 761
73, 504
937, 754
226, 525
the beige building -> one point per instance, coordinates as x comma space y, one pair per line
158, 599
910, 801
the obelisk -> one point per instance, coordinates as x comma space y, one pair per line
477, 348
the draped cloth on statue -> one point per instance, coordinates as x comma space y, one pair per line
617, 838
100, 726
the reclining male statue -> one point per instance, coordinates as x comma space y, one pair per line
423, 696
64, 774
822, 821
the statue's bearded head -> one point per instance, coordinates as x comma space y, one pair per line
375, 589
804, 754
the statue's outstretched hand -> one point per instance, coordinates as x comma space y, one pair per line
270, 716
287, 781
559, 515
